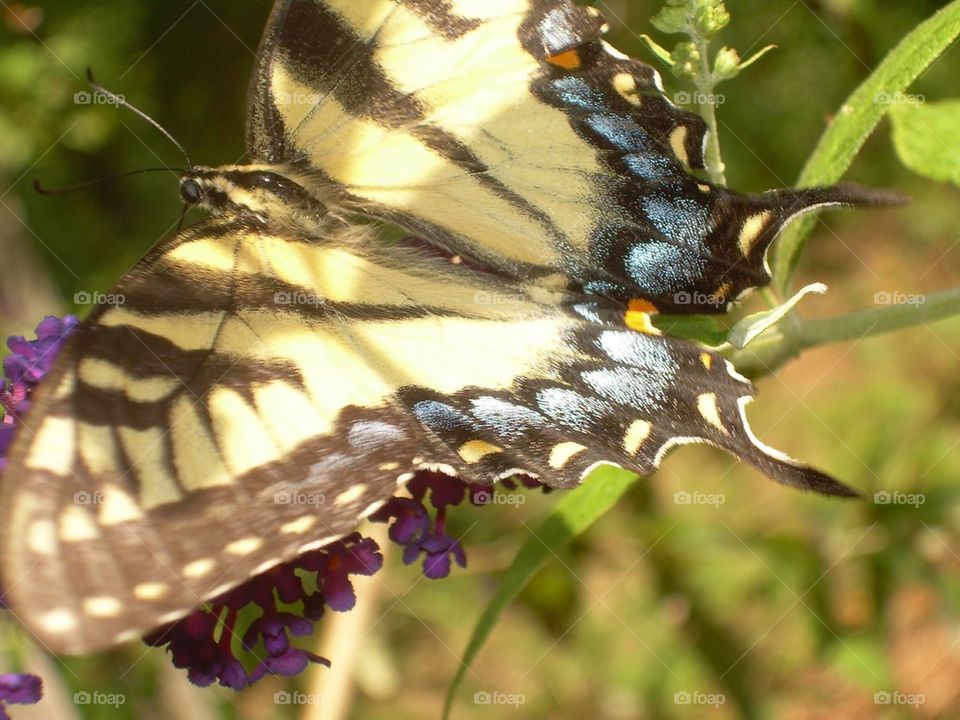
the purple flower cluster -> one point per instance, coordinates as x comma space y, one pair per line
25, 367
245, 634
208, 642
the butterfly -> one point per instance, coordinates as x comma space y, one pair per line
281, 346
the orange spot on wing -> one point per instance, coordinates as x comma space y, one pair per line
569, 60
638, 315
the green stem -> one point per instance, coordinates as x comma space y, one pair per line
774, 349
707, 102
866, 323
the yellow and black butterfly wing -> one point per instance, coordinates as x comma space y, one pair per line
510, 132
257, 393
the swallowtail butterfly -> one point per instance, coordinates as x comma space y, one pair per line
277, 346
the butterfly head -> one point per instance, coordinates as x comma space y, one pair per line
245, 190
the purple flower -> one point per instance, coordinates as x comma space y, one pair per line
31, 360
18, 689
411, 526
25, 367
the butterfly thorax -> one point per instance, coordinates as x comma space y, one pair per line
263, 194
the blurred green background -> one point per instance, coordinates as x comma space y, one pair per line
782, 605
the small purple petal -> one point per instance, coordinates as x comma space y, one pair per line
410, 554
338, 590
446, 490
233, 675
20, 688
292, 662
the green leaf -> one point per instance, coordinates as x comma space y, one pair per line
576, 512
926, 137
752, 326
702, 328
661, 52
858, 117
756, 56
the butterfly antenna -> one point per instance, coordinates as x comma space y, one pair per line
183, 216
96, 181
120, 101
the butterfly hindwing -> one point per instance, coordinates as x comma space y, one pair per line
278, 390
515, 136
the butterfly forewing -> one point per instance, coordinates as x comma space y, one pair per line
516, 136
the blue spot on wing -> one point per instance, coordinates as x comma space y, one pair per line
440, 416
639, 350
660, 268
621, 132
370, 435
652, 168
679, 218
571, 408
633, 387
578, 93
511, 421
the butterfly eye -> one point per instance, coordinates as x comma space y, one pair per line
191, 192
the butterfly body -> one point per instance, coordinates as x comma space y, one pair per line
278, 350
